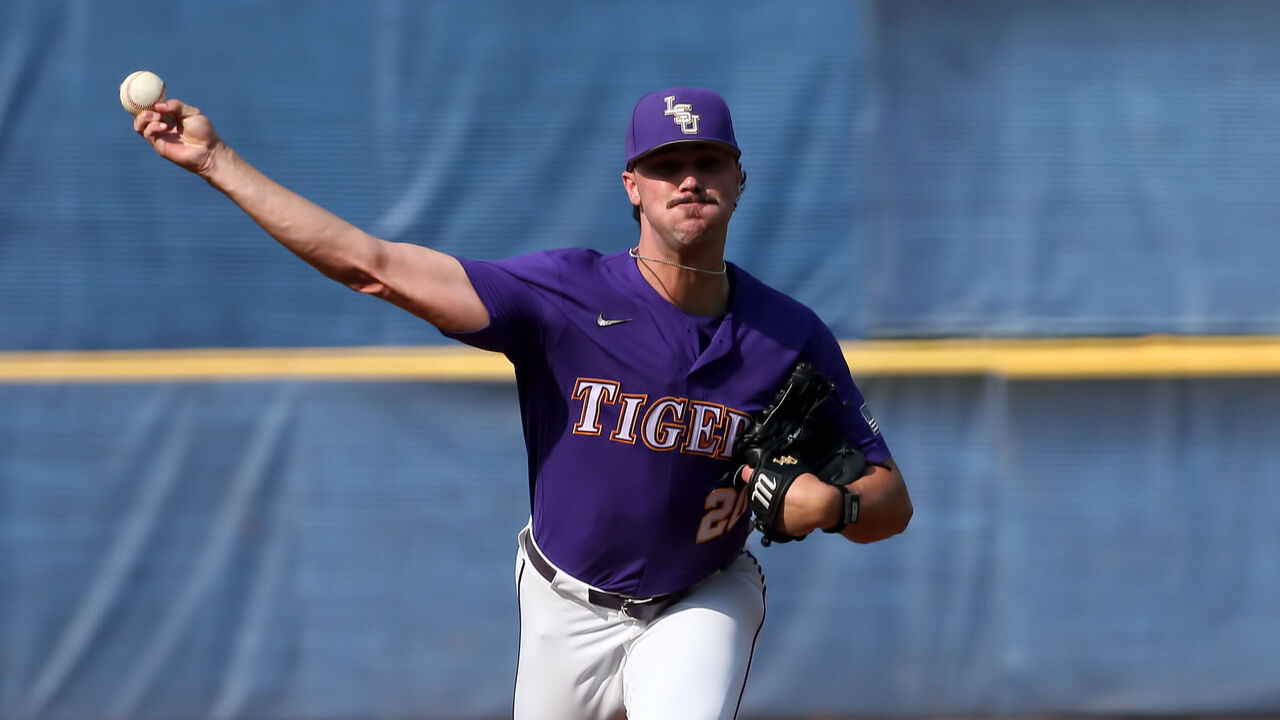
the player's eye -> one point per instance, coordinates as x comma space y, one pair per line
711, 163
666, 168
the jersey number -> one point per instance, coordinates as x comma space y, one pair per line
724, 507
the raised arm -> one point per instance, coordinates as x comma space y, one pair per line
426, 282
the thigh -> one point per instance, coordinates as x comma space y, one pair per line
692, 662
570, 654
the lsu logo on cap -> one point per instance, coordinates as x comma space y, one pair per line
682, 115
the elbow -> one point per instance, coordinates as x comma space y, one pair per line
902, 518
364, 271
899, 510
889, 521
366, 285
353, 277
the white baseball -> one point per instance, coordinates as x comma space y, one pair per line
140, 91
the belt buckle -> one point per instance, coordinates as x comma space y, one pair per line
640, 608
627, 602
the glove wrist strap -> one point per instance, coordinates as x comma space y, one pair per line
850, 506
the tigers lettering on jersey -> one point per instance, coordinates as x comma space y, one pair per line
694, 427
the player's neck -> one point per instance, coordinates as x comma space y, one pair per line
695, 281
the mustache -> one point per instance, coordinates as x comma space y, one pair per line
704, 199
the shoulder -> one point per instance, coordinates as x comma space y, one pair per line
574, 257
544, 267
770, 307
788, 329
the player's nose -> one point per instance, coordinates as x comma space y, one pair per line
690, 183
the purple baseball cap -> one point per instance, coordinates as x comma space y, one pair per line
679, 115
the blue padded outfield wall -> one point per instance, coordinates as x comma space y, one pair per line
290, 549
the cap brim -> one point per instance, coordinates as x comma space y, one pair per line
703, 141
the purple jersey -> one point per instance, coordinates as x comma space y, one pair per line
630, 408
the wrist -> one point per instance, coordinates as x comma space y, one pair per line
825, 508
848, 509
216, 162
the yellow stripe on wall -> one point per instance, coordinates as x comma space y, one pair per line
1075, 358
350, 364
1071, 358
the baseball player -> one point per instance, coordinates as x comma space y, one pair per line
636, 370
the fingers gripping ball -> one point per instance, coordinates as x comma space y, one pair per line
141, 91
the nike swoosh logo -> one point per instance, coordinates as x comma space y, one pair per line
602, 321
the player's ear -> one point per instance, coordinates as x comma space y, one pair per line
629, 184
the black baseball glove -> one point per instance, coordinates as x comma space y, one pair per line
791, 436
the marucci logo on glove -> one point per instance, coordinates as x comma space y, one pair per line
762, 492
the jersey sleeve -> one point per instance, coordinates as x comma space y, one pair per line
850, 413
517, 292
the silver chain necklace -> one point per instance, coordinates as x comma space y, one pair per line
635, 253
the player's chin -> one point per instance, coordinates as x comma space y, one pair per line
695, 226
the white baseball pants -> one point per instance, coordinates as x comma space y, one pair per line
580, 661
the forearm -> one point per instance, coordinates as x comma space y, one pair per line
884, 505
332, 245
